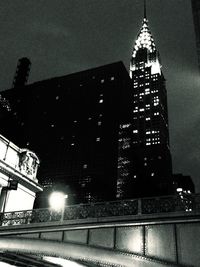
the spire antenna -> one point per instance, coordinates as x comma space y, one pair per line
145, 10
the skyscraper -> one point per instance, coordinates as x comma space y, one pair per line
72, 123
151, 158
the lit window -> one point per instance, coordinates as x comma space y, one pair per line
52, 125
72, 144
179, 189
152, 174
101, 101
135, 131
89, 118
141, 109
57, 97
148, 119
102, 81
156, 103
98, 139
112, 78
122, 126
85, 166
99, 123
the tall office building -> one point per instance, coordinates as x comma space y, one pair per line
72, 123
196, 19
151, 158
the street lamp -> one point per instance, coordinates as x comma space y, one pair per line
57, 200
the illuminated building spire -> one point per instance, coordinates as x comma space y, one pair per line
144, 49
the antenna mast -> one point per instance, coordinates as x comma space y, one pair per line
145, 10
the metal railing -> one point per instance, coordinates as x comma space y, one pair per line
142, 206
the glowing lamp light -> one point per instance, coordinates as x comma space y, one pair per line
57, 200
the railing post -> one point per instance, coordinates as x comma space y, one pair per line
62, 214
139, 206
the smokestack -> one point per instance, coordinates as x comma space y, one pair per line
22, 72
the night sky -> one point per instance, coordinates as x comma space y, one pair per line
66, 36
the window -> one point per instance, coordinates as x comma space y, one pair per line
98, 139
122, 126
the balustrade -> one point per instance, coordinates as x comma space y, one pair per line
137, 207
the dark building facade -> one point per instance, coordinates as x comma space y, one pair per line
196, 19
73, 123
151, 158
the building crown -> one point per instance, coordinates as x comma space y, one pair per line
144, 52
144, 39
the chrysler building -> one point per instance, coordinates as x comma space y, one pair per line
151, 158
